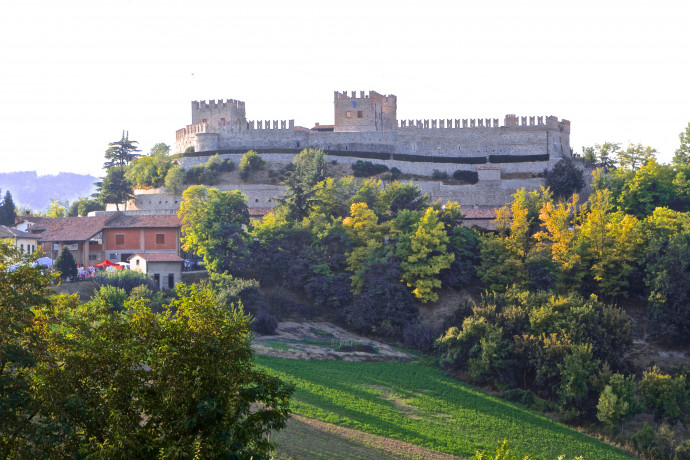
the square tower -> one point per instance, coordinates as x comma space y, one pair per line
368, 112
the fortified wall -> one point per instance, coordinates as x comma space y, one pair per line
366, 126
506, 152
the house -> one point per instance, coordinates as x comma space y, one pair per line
81, 235
126, 235
115, 236
25, 242
165, 268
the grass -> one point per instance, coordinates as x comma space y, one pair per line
419, 404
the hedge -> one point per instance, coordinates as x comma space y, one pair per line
517, 158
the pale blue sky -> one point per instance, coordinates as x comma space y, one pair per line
74, 74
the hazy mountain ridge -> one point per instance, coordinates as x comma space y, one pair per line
30, 190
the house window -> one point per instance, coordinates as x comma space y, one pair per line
171, 281
136, 262
160, 238
359, 114
119, 238
157, 280
22, 247
348, 114
93, 256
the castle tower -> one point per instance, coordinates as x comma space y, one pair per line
217, 114
368, 112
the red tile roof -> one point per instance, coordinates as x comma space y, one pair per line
158, 257
69, 228
150, 221
9, 232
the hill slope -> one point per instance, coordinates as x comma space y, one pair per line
30, 190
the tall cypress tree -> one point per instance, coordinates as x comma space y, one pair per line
66, 264
7, 212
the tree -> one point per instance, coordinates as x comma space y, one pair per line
423, 254
604, 154
57, 208
150, 171
8, 212
213, 226
65, 264
121, 153
174, 180
22, 288
682, 155
115, 188
309, 169
634, 156
250, 162
136, 384
565, 178
83, 206
651, 186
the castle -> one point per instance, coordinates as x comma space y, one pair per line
366, 126
505, 157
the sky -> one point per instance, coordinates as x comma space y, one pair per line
75, 74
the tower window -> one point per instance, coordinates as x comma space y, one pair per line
348, 114
354, 104
359, 114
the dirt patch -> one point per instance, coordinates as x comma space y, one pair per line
398, 401
84, 289
306, 438
323, 341
449, 300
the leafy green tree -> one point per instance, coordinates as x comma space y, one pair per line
682, 155
174, 180
611, 407
250, 162
22, 288
137, 384
8, 212
635, 156
565, 178
309, 168
83, 206
214, 226
604, 154
367, 236
150, 171
57, 208
65, 264
396, 196
664, 395
650, 187
121, 153
423, 255
115, 188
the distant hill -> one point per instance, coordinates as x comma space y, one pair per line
30, 190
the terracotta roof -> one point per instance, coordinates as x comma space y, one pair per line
158, 257
479, 213
70, 228
149, 221
9, 232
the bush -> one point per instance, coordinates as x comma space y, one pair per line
395, 173
469, 177
114, 297
195, 175
367, 168
265, 324
189, 149
565, 178
683, 450
420, 336
250, 162
664, 395
439, 175
125, 279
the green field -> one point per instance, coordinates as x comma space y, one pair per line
421, 405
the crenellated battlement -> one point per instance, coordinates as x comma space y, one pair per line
188, 130
265, 125
510, 120
389, 98
221, 104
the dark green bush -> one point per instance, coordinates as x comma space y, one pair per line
367, 168
439, 175
125, 279
469, 177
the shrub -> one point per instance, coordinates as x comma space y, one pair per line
195, 175
565, 178
125, 279
250, 162
683, 450
420, 336
189, 149
439, 175
664, 395
395, 173
265, 324
114, 297
469, 177
367, 168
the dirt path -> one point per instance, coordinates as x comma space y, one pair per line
306, 438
